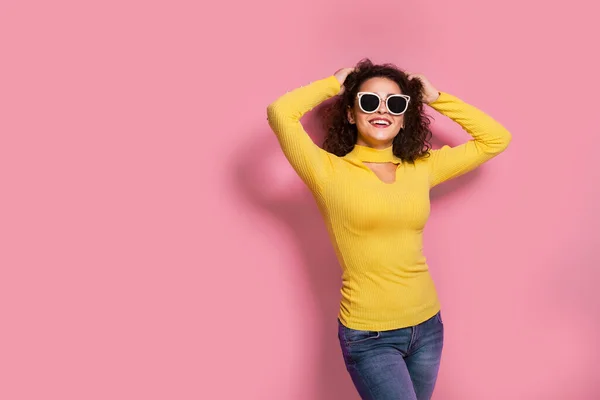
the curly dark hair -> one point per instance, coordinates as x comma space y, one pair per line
410, 144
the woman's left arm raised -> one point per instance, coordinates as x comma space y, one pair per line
489, 137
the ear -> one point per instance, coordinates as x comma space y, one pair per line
350, 115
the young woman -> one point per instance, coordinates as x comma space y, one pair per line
371, 182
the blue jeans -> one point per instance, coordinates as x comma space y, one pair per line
400, 364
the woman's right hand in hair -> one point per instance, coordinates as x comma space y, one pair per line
341, 76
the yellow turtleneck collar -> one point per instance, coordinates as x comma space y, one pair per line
369, 154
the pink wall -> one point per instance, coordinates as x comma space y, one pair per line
155, 244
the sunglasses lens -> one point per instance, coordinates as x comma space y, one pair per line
369, 102
397, 104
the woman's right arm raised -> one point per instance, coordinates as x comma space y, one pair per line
310, 162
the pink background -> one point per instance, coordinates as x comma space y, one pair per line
155, 244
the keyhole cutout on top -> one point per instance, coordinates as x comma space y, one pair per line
386, 172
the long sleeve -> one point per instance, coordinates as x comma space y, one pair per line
490, 138
310, 162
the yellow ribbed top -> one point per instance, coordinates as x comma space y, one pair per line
376, 228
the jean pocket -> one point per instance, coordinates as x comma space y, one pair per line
355, 336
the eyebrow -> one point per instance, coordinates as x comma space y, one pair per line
386, 94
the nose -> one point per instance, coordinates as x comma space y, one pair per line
382, 107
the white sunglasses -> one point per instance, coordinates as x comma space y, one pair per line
396, 104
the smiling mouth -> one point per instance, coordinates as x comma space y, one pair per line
380, 123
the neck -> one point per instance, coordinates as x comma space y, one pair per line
376, 146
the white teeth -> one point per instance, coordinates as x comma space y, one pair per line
380, 122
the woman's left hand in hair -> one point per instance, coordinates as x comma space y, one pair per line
430, 93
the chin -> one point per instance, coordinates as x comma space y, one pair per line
382, 137
379, 137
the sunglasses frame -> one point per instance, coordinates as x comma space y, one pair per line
404, 96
